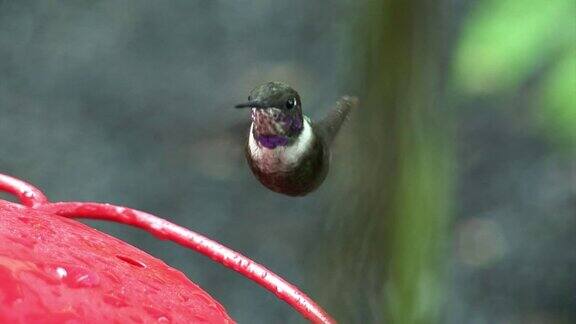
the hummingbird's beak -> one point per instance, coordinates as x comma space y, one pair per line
251, 104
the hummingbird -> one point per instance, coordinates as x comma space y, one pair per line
286, 151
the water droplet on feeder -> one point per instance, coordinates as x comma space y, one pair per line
61, 272
157, 314
77, 277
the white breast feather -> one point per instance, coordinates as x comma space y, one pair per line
282, 158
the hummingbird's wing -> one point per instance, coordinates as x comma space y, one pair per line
329, 126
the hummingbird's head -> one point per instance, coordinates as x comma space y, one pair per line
276, 114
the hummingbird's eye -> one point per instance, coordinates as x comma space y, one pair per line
291, 103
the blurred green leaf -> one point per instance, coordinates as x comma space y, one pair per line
504, 41
558, 99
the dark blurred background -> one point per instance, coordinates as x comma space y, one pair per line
452, 193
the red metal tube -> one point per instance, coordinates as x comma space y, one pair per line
27, 194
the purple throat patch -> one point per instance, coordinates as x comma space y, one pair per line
272, 141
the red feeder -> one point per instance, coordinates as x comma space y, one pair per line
56, 270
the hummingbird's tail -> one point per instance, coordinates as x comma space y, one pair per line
330, 125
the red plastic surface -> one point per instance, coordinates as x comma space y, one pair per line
79, 271
54, 270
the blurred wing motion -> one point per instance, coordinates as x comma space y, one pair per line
330, 125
